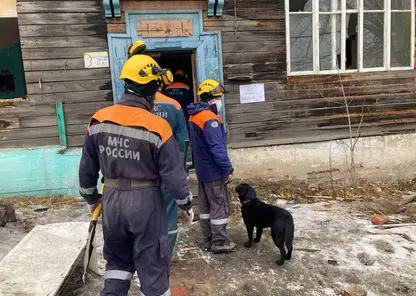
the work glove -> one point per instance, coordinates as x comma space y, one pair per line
93, 206
91, 199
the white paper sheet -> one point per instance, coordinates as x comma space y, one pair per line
252, 93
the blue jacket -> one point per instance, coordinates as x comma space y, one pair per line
171, 111
209, 144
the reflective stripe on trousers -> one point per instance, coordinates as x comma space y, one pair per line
213, 206
219, 221
118, 275
167, 293
149, 228
204, 216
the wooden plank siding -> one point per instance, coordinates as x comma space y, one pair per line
54, 37
301, 109
297, 109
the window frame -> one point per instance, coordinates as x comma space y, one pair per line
360, 50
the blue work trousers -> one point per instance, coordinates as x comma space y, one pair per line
172, 211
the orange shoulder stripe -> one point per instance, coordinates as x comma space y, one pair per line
165, 99
204, 116
178, 85
133, 116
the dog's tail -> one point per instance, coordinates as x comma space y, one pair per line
289, 234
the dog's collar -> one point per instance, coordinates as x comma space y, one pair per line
247, 201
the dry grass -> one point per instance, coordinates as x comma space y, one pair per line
49, 202
384, 196
303, 192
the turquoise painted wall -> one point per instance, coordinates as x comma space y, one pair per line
39, 172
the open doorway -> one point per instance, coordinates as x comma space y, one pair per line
180, 60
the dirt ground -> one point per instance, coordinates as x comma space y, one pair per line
334, 227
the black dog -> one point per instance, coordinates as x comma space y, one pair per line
261, 215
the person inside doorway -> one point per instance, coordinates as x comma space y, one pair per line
181, 91
137, 47
213, 166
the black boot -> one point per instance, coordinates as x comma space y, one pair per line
223, 247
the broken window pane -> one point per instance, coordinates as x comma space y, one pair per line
373, 40
351, 4
301, 47
351, 44
400, 39
329, 41
401, 5
329, 5
300, 5
7, 82
373, 4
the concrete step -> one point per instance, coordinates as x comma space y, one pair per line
41, 262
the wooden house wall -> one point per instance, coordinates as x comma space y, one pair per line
54, 37
302, 108
55, 34
298, 109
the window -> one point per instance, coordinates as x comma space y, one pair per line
12, 76
331, 36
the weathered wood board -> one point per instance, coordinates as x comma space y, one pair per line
54, 36
164, 28
8, 123
298, 109
41, 262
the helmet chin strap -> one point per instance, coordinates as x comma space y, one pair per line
147, 91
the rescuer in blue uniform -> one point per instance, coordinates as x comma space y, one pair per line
180, 91
212, 164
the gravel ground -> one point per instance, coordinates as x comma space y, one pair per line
329, 230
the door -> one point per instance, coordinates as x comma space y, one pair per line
209, 61
118, 45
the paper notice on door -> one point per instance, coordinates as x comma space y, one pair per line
252, 93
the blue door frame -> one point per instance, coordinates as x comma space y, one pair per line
207, 46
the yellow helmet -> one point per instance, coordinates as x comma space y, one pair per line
210, 88
141, 69
137, 47
182, 73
